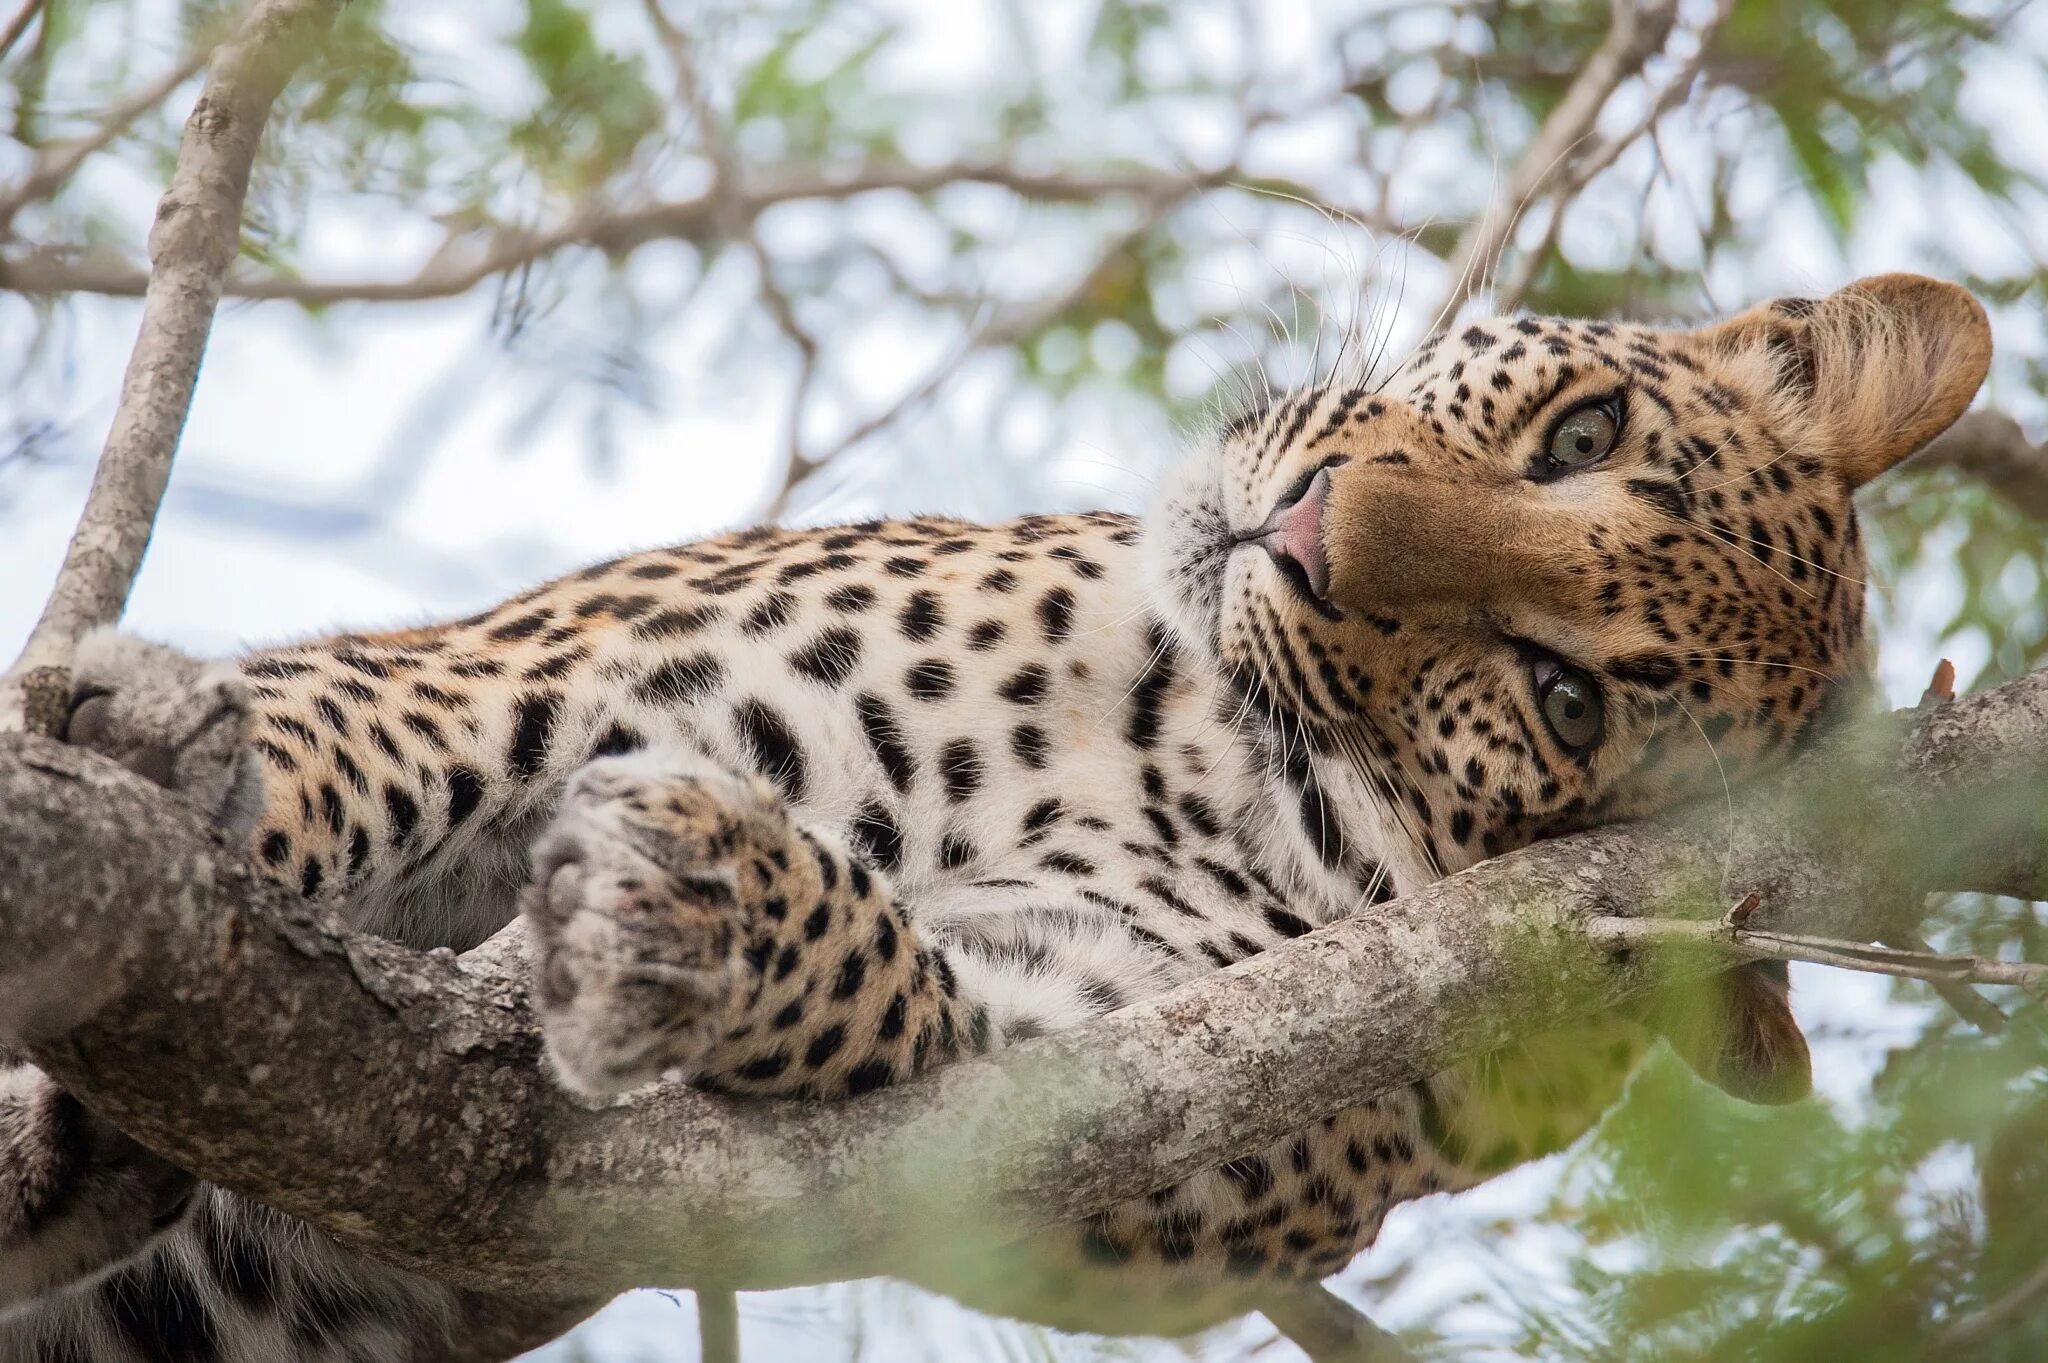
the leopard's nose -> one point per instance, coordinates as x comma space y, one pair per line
1293, 535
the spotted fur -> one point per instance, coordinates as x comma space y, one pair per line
817, 810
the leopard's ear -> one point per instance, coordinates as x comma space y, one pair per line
1866, 375
1737, 1031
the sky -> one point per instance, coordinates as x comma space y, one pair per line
379, 467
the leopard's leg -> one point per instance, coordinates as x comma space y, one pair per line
76, 1196
684, 921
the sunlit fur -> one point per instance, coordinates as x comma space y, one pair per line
1708, 573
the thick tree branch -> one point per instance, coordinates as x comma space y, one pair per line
1991, 447
195, 238
225, 1023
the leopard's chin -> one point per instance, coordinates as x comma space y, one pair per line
1185, 551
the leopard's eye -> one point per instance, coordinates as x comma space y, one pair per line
1586, 434
1571, 705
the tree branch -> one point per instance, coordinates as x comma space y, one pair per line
196, 235
1990, 446
54, 166
1636, 33
1582, 170
233, 1028
459, 266
18, 25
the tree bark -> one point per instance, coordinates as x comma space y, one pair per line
233, 1028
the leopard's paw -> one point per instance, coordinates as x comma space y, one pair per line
176, 720
637, 916
76, 1196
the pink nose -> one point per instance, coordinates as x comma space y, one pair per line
1295, 532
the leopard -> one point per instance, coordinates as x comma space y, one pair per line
800, 814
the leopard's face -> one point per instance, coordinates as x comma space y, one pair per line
1552, 573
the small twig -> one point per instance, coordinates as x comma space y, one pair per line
54, 166
994, 335
18, 25
1970, 1005
1329, 1329
1637, 31
718, 1325
1618, 933
196, 236
1581, 170
1987, 1319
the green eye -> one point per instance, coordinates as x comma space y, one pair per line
1584, 435
1571, 705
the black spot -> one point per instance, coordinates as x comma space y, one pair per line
157, 1308
830, 657
1027, 742
682, 680
1285, 923
1027, 687
825, 1045
1149, 695
1252, 1175
986, 635
767, 1067
533, 725
332, 714
617, 740
869, 1076
242, 1266
921, 616
773, 613
776, 752
816, 921
875, 830
853, 973
526, 626
1056, 615
854, 596
310, 877
885, 738
330, 805
673, 624
930, 679
465, 793
960, 764
277, 848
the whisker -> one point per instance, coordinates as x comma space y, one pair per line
1727, 790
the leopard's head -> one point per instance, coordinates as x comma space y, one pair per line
1551, 573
